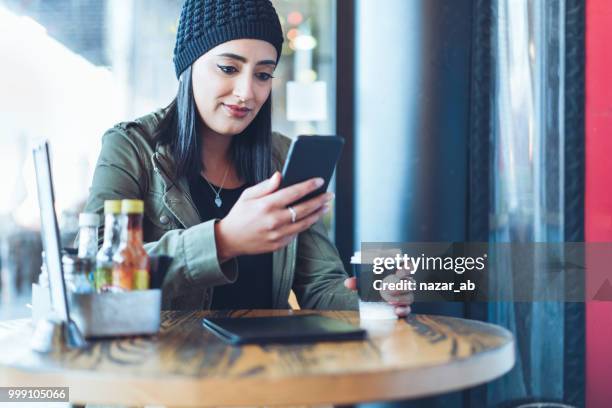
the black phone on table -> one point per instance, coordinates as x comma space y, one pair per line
309, 157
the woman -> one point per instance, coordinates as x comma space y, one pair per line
207, 170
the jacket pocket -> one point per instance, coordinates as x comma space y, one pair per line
157, 218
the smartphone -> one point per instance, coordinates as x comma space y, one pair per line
309, 157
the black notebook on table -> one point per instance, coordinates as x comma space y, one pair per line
282, 329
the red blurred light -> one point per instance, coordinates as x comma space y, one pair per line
295, 18
291, 34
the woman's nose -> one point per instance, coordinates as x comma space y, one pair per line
243, 87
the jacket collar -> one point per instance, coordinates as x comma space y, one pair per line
177, 196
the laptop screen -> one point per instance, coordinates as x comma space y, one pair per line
50, 232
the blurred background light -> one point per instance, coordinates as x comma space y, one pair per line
307, 75
304, 42
293, 33
295, 18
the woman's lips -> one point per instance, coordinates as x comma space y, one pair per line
236, 111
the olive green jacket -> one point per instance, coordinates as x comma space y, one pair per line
132, 165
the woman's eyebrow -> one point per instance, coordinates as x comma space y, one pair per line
244, 60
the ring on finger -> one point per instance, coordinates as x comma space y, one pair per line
293, 214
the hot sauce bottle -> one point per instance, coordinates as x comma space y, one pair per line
130, 261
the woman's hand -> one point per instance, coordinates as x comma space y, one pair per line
260, 222
401, 299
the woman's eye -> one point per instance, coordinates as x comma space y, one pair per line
264, 76
228, 69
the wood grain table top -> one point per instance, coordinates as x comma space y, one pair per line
187, 366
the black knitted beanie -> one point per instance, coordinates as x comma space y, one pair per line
204, 24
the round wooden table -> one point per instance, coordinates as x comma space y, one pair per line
186, 366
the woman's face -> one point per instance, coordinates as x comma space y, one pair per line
231, 82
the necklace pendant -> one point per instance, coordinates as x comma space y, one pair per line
218, 201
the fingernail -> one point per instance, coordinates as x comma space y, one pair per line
400, 310
330, 196
326, 209
319, 182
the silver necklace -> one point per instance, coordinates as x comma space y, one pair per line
218, 201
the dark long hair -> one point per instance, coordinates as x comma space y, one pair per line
180, 129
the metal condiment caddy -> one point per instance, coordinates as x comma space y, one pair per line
103, 314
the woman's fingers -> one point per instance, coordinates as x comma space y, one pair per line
280, 237
402, 311
397, 295
351, 283
284, 241
401, 306
308, 207
403, 273
303, 224
260, 221
288, 195
264, 188
404, 298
